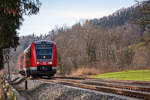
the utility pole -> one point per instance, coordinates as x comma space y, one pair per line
7, 59
6, 53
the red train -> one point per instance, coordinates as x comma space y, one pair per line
40, 59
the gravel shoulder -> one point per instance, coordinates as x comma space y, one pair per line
40, 90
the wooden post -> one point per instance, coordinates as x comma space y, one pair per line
26, 84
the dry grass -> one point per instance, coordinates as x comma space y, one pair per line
85, 71
1, 89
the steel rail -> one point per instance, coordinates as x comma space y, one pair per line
115, 90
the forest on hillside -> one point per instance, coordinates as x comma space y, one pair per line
113, 43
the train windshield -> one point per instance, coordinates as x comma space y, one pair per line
44, 51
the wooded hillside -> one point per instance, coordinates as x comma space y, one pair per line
113, 43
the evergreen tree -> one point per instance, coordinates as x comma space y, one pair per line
11, 17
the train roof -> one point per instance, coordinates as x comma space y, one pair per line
43, 41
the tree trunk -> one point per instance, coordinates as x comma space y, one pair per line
1, 59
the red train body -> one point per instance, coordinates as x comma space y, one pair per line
40, 59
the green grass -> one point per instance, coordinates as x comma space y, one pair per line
140, 75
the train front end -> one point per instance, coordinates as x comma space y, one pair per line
43, 58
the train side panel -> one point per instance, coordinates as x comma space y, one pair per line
54, 61
33, 64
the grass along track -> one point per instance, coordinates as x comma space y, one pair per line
139, 75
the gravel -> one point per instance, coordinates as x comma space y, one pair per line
40, 90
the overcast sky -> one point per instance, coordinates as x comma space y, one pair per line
68, 12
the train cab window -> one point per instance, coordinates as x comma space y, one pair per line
44, 51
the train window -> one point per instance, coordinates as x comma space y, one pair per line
29, 52
27, 59
44, 51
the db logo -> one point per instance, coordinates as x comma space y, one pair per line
44, 57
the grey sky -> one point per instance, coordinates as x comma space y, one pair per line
59, 12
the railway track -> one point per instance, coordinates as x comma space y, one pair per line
130, 89
142, 92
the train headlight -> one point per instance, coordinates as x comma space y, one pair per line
50, 62
38, 62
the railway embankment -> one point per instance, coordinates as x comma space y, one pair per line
9, 92
42, 90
